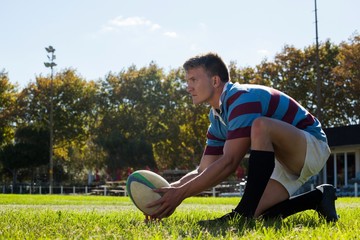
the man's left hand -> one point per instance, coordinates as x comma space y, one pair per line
171, 198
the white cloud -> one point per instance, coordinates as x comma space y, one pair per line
130, 21
136, 24
171, 34
121, 22
263, 52
155, 27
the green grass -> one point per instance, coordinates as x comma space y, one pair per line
96, 217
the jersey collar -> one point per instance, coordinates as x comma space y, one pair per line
216, 113
223, 94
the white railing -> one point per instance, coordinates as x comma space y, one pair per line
104, 190
87, 190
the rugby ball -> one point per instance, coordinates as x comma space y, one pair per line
140, 185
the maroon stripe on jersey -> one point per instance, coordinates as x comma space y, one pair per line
245, 108
212, 137
211, 150
274, 103
233, 98
291, 112
239, 133
304, 123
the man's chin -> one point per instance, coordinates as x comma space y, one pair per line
196, 101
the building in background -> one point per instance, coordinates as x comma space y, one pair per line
343, 167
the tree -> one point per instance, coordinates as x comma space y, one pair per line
130, 104
142, 116
293, 72
182, 140
30, 150
74, 109
8, 97
347, 75
144, 107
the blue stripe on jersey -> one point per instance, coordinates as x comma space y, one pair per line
242, 104
279, 112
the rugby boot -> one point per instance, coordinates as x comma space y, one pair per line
326, 207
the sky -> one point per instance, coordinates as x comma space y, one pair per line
96, 37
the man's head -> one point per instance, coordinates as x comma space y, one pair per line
212, 64
206, 76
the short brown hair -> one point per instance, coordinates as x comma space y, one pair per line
212, 63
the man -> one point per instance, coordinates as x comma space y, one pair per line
287, 146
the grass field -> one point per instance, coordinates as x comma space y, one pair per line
96, 217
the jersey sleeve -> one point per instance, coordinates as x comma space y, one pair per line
215, 137
243, 109
214, 144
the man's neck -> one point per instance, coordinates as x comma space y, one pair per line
217, 103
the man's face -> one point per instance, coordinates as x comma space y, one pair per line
199, 85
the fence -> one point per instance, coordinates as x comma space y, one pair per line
113, 189
226, 189
86, 190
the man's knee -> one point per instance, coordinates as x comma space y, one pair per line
260, 128
260, 134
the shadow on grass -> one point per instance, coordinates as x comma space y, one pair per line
185, 226
244, 226
223, 229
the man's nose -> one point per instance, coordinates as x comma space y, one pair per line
189, 89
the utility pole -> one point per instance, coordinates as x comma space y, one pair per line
317, 70
51, 64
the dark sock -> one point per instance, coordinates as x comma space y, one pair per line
299, 203
261, 166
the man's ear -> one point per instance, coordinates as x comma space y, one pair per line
216, 81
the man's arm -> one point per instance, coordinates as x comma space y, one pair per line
205, 162
216, 172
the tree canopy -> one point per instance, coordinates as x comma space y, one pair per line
143, 117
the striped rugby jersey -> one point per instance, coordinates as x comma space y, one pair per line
240, 104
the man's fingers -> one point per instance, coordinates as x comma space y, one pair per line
161, 190
160, 201
163, 211
154, 203
149, 219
